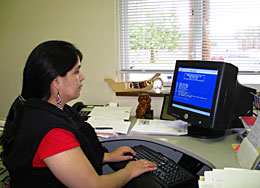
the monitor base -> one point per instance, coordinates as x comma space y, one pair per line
204, 133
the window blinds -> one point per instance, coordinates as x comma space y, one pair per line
156, 33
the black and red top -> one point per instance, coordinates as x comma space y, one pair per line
41, 123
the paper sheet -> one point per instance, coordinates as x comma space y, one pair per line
117, 125
160, 127
110, 117
231, 178
111, 112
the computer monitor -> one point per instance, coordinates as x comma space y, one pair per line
207, 95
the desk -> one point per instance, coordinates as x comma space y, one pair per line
216, 153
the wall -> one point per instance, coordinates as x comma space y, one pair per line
89, 24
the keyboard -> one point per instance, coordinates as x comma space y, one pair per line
168, 174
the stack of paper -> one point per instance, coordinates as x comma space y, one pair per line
249, 150
109, 121
160, 127
230, 178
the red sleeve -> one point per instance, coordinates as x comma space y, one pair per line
55, 141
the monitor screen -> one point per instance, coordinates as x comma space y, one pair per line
207, 95
195, 87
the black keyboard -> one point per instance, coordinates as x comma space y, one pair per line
168, 173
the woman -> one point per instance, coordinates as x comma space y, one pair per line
45, 142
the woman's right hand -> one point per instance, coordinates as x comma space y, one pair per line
139, 167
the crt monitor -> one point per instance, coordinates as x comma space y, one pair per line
207, 95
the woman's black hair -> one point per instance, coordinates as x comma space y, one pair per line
47, 61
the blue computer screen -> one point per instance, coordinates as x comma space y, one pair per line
196, 87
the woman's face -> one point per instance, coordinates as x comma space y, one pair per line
71, 84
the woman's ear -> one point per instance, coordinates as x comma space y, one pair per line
56, 82
54, 89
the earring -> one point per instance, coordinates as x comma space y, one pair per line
58, 100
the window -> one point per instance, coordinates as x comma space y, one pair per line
155, 33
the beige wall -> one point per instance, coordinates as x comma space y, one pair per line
89, 24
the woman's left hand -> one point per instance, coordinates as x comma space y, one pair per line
120, 154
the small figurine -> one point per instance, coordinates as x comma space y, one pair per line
144, 105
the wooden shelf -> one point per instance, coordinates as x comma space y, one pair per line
137, 93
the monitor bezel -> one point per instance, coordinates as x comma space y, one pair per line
220, 97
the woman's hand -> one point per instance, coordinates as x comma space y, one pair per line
119, 154
133, 168
139, 167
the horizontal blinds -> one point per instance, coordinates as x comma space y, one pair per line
156, 33
234, 32
153, 33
